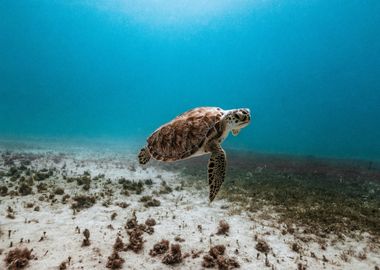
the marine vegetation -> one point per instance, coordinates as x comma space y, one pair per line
320, 196
18, 258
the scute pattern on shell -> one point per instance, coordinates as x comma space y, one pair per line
184, 135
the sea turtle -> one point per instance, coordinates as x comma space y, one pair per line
197, 132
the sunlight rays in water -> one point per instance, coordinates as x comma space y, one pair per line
175, 12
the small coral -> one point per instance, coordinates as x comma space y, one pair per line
115, 261
159, 248
223, 228
18, 258
175, 255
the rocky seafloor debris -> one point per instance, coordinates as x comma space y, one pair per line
98, 211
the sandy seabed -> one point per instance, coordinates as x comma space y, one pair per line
50, 218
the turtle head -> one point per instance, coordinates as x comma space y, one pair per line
238, 119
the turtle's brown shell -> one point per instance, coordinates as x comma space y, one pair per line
186, 134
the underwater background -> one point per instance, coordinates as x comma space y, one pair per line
116, 70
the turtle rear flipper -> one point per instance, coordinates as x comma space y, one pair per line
144, 156
216, 170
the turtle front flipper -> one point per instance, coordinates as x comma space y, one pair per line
216, 170
144, 156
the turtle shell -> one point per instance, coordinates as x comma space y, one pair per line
186, 134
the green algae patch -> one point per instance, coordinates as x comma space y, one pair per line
322, 196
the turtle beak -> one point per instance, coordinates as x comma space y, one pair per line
247, 119
246, 115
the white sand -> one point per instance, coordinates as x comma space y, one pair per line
179, 214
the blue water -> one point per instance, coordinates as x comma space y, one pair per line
309, 70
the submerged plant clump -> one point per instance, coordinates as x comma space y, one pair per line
165, 188
227, 263
83, 201
86, 240
136, 241
115, 261
10, 213
159, 248
217, 250
25, 189
3, 191
174, 256
119, 245
135, 232
223, 228
216, 257
152, 203
59, 191
262, 246
63, 266
131, 186
43, 174
150, 222
18, 258
145, 198
41, 187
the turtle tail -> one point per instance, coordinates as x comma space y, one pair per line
144, 156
